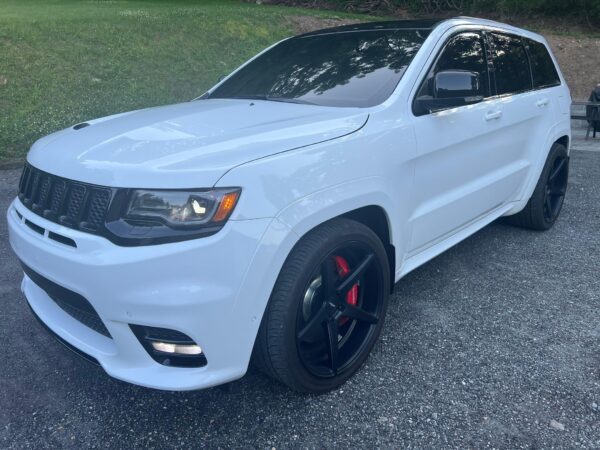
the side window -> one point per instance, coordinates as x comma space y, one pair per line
511, 65
464, 51
542, 67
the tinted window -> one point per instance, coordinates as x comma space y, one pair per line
542, 67
462, 52
343, 69
511, 65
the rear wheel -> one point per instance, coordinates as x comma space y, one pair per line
327, 308
545, 204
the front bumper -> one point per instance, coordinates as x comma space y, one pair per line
213, 289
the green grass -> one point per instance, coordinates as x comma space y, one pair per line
62, 62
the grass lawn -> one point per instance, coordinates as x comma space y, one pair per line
62, 62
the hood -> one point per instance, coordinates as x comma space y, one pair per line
189, 144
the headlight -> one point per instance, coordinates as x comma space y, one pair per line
181, 209
157, 216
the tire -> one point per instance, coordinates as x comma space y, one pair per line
545, 204
312, 337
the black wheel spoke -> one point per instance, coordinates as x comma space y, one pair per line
358, 314
318, 355
355, 276
332, 334
557, 170
314, 325
558, 191
548, 206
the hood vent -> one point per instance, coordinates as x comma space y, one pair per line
79, 126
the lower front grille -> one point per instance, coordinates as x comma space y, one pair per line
70, 302
74, 349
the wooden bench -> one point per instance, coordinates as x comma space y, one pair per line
595, 115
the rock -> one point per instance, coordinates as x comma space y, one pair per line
557, 425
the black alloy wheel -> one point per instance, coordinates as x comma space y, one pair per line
556, 187
327, 308
339, 311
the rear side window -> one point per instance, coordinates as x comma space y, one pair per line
464, 51
542, 67
511, 65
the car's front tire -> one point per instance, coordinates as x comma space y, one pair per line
327, 308
545, 204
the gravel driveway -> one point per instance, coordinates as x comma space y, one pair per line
495, 343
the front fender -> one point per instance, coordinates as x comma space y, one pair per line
285, 231
373, 166
308, 212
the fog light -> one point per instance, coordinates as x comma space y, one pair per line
181, 349
169, 347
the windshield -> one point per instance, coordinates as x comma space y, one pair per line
352, 69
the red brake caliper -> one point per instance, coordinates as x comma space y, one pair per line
343, 270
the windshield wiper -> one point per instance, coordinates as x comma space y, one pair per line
271, 99
290, 100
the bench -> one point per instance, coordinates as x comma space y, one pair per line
591, 114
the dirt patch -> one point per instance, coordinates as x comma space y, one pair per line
579, 58
304, 24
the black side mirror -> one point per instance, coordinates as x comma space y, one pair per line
451, 88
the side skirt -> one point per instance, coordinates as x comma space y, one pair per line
414, 261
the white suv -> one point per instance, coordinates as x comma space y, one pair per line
270, 217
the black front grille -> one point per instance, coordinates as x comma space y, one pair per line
70, 302
77, 205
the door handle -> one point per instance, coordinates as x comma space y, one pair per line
491, 115
541, 103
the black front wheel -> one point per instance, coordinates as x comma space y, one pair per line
327, 308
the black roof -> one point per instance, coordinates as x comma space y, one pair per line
423, 24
